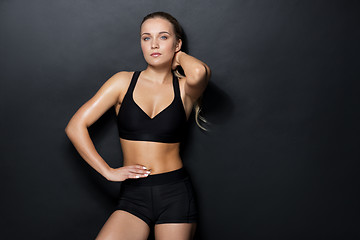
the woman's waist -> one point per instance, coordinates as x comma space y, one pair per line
157, 164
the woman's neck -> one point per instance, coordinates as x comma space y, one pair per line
158, 75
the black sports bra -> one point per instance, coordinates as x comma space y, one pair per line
167, 126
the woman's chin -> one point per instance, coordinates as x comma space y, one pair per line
158, 64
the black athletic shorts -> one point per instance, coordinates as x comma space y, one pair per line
160, 198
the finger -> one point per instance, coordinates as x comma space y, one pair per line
133, 168
133, 176
137, 175
139, 171
140, 166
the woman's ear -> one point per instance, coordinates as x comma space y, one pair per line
178, 45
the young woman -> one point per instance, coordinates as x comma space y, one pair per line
152, 108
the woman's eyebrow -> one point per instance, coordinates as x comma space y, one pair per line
164, 32
159, 33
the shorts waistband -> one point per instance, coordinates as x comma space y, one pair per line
160, 178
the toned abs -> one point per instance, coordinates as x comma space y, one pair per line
158, 157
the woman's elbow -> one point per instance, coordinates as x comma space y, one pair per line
72, 127
69, 130
201, 72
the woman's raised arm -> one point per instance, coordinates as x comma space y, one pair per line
77, 128
197, 74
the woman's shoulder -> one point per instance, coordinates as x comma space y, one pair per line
121, 78
123, 75
121, 81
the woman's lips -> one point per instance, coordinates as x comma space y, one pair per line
155, 54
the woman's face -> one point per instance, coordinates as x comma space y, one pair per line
158, 42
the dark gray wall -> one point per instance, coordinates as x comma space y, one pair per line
281, 160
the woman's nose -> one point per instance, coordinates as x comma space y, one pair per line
154, 44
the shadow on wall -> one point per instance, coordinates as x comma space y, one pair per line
217, 108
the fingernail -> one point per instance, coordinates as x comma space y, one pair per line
144, 167
147, 172
137, 176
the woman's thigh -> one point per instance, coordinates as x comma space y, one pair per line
125, 226
175, 231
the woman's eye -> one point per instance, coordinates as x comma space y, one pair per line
146, 38
163, 37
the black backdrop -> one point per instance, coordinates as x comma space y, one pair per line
281, 160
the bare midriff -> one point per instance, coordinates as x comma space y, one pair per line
157, 157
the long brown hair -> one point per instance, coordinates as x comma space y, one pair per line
179, 34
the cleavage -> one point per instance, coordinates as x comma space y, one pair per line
145, 92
